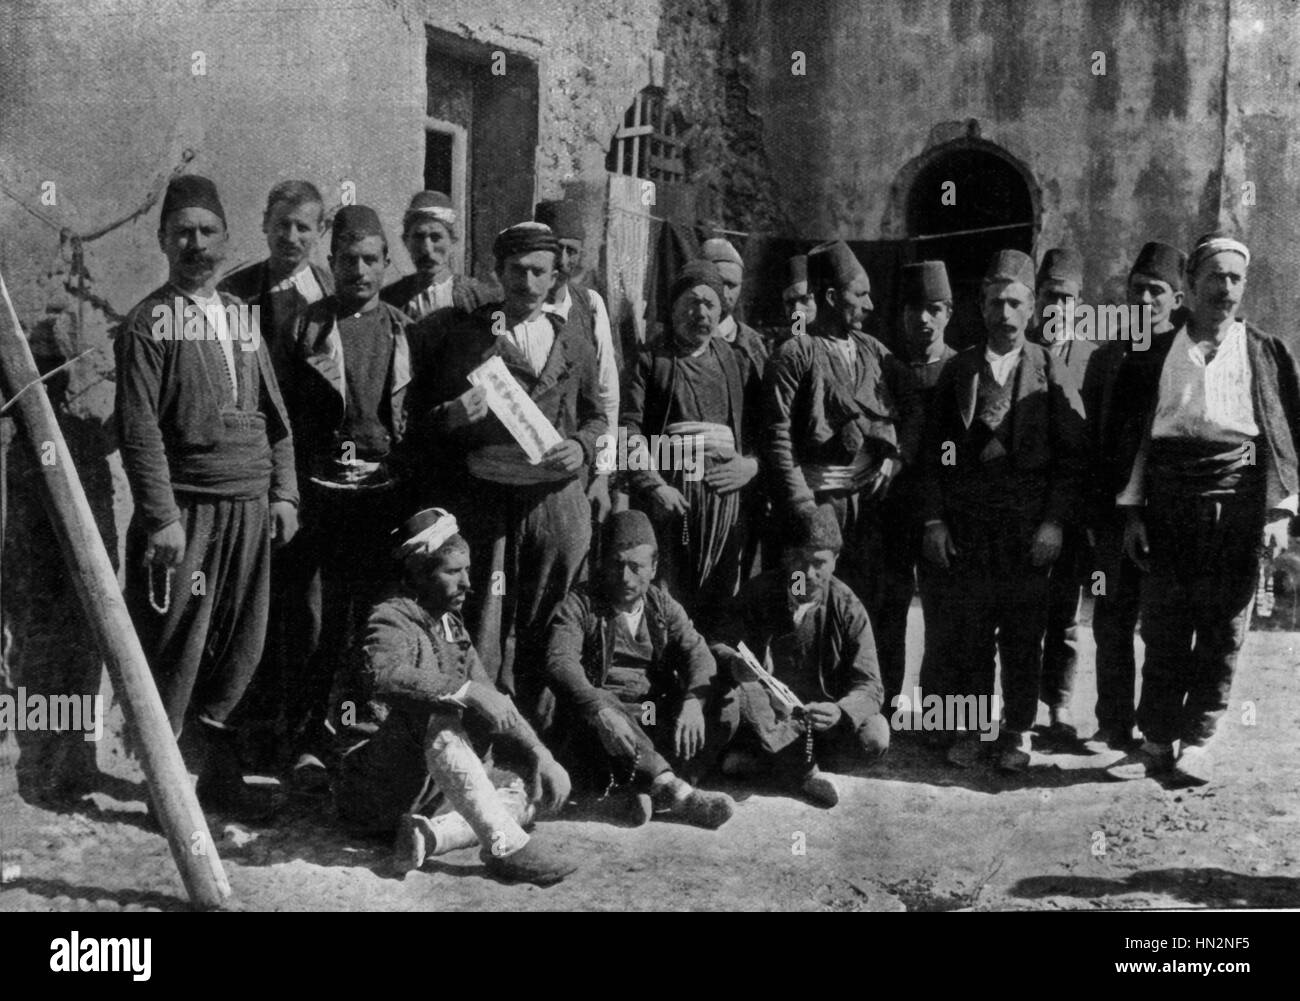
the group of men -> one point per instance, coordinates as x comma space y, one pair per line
453, 632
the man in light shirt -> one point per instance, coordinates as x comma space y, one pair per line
1213, 482
1002, 465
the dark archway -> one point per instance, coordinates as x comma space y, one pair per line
961, 202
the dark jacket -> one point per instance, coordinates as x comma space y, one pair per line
1046, 430
1275, 386
169, 407
578, 650
280, 310
467, 295
447, 345
809, 403
847, 670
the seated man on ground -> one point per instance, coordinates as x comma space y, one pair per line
633, 682
809, 630
440, 715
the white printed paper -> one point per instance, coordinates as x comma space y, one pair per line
515, 409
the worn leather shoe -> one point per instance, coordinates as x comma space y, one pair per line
533, 863
819, 790
1151, 760
704, 809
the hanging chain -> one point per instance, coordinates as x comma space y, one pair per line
808, 739
614, 782
167, 591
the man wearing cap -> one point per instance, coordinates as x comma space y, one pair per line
701, 395
1155, 282
532, 523
352, 372
1002, 469
927, 308
807, 628
1213, 484
842, 416
634, 684
429, 234
1059, 282
797, 298
207, 449
288, 281
423, 772
732, 268
583, 309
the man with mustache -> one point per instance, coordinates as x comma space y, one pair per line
1213, 484
1002, 468
1155, 282
423, 772
843, 415
288, 281
634, 683
532, 523
429, 235
351, 372
698, 392
583, 309
207, 449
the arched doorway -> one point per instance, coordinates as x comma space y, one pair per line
961, 202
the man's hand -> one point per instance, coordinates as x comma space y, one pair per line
1136, 545
937, 544
1047, 544
1277, 533
667, 502
550, 786
166, 547
491, 706
284, 522
566, 457
879, 484
730, 475
616, 733
598, 495
688, 738
824, 715
468, 408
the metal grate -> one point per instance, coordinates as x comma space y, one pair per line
650, 144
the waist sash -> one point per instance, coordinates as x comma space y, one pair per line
508, 464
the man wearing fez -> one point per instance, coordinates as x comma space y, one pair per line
583, 309
288, 281
1002, 468
842, 416
429, 235
1059, 281
207, 449
695, 390
809, 630
634, 683
532, 523
927, 308
1213, 485
1155, 282
353, 368
732, 268
423, 772
797, 297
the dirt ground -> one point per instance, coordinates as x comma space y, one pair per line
910, 834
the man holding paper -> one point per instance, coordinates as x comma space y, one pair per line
510, 452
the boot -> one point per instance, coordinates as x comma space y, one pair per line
533, 863
221, 787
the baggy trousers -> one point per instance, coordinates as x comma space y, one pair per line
1061, 635
204, 649
1196, 604
1114, 620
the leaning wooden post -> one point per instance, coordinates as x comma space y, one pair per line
87, 560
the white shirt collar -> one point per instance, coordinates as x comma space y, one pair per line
1002, 365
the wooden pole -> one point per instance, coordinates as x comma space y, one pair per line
92, 572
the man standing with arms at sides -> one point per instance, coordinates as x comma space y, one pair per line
732, 268
288, 281
1002, 469
1213, 485
1155, 282
1060, 280
531, 523
842, 416
584, 310
429, 235
927, 308
207, 448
